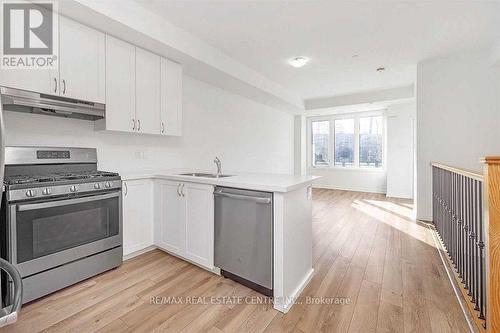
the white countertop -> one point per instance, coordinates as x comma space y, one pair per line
252, 181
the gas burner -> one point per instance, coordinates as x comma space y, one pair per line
56, 177
23, 179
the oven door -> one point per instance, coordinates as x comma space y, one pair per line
48, 234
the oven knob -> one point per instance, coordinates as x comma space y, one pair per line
73, 188
97, 186
30, 193
107, 184
46, 191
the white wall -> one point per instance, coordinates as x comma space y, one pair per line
300, 145
247, 136
457, 117
400, 150
350, 179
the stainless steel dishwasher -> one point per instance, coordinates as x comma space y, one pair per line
244, 237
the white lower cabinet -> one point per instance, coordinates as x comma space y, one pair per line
170, 228
137, 215
185, 221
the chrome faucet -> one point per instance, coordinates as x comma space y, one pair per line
218, 164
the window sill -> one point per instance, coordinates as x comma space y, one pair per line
354, 169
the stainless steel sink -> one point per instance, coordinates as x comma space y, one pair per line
204, 175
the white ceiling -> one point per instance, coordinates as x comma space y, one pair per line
395, 34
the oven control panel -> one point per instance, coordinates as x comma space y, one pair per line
58, 190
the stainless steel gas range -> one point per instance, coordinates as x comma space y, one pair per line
61, 218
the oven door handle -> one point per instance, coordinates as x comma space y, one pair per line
66, 202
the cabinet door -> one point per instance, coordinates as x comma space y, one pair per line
137, 215
81, 61
171, 98
147, 91
199, 224
37, 80
120, 86
172, 207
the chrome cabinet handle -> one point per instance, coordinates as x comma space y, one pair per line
64, 87
133, 124
55, 85
162, 127
138, 125
182, 190
126, 188
178, 187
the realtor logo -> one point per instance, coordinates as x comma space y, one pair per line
29, 35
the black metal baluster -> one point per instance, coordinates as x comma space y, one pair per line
475, 296
473, 243
469, 236
454, 219
458, 217
460, 228
482, 267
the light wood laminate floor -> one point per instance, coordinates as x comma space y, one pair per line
366, 249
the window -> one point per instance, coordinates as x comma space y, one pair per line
321, 143
370, 142
355, 140
344, 142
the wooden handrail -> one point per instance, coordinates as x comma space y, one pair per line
465, 173
492, 224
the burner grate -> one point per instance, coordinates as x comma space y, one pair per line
28, 179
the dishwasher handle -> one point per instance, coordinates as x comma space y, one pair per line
259, 200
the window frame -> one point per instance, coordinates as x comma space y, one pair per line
331, 147
310, 148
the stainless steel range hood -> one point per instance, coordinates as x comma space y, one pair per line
31, 102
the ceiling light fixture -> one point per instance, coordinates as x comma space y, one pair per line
380, 69
298, 62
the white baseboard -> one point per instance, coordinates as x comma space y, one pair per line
350, 188
145, 249
425, 219
139, 252
398, 196
289, 300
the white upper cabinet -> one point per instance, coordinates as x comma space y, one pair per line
147, 89
81, 61
37, 80
120, 87
171, 98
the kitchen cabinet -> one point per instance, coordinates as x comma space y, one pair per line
120, 87
185, 224
171, 98
137, 215
147, 89
81, 67
81, 61
199, 223
170, 234
39, 80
